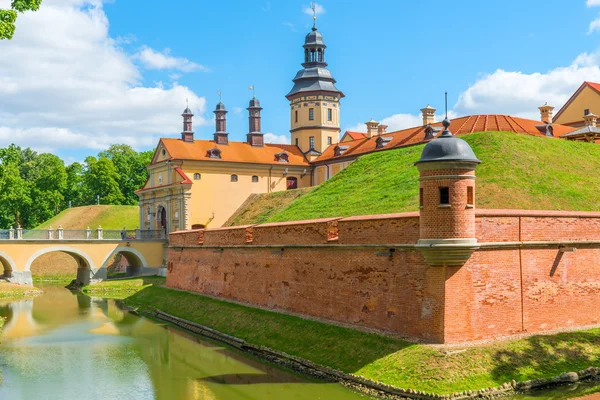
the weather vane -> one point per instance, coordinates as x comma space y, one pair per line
219, 94
187, 103
251, 87
314, 10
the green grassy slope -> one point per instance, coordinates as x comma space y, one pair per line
517, 172
108, 217
260, 207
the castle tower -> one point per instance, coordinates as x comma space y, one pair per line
314, 100
254, 136
447, 200
221, 136
372, 126
188, 133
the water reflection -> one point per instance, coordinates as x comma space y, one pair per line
68, 346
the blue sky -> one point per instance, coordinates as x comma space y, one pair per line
390, 58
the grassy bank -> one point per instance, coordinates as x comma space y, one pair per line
376, 357
11, 290
108, 217
517, 171
122, 288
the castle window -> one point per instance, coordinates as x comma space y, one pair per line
234, 178
164, 152
297, 142
444, 196
329, 140
213, 153
196, 177
282, 157
296, 115
254, 178
329, 114
311, 114
421, 202
311, 142
470, 199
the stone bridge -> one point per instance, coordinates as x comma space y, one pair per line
92, 249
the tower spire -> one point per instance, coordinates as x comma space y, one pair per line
314, 10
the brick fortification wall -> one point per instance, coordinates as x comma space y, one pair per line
520, 280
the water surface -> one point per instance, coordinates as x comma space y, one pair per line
66, 346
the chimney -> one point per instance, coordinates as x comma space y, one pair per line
546, 112
590, 119
188, 134
372, 127
254, 136
381, 129
428, 115
221, 136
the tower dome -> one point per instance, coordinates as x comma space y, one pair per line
314, 37
448, 147
220, 106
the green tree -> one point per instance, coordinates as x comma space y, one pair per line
9, 17
131, 167
101, 179
75, 188
14, 196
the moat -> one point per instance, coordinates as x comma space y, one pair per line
64, 345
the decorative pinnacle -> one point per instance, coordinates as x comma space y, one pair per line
313, 6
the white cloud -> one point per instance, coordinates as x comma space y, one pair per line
394, 123
65, 84
593, 3
152, 59
319, 9
594, 26
519, 94
237, 110
290, 25
279, 139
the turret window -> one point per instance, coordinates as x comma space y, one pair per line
470, 197
296, 115
311, 142
311, 114
197, 177
444, 196
297, 142
421, 200
329, 140
329, 114
234, 178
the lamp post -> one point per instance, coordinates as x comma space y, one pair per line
98, 199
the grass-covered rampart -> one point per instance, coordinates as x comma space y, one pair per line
386, 359
517, 172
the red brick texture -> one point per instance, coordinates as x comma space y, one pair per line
526, 285
456, 220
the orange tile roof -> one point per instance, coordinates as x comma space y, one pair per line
233, 152
459, 126
355, 135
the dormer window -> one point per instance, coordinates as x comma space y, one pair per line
431, 131
549, 130
339, 150
381, 141
282, 157
213, 153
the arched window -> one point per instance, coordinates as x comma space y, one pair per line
234, 178
197, 177
254, 178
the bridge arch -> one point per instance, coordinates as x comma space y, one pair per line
8, 265
136, 260
86, 269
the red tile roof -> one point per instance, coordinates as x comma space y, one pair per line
355, 135
459, 126
233, 152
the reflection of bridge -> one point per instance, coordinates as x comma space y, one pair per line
92, 249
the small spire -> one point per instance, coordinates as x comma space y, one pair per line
251, 87
314, 10
219, 94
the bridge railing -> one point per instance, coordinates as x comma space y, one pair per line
82, 234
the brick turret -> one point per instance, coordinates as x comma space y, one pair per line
221, 136
447, 200
188, 133
254, 136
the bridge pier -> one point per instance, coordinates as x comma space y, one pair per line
20, 278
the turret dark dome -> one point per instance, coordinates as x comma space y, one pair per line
220, 107
187, 111
254, 102
314, 37
448, 147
